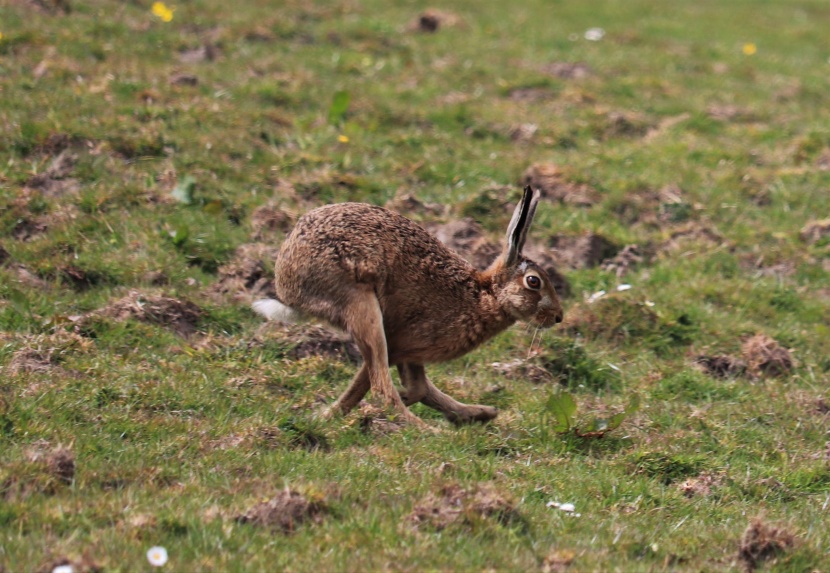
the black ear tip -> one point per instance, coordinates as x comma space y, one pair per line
528, 190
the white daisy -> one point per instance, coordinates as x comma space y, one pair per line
157, 556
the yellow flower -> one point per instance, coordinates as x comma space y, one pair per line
749, 49
343, 138
1, 36
162, 11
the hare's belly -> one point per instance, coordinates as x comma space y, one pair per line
435, 338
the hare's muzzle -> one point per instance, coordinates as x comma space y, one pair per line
548, 316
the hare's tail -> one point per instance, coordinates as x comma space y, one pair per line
273, 309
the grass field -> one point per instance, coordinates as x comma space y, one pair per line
152, 160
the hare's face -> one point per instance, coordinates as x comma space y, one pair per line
529, 295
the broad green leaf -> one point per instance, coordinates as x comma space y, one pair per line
339, 107
214, 207
19, 301
180, 235
633, 404
615, 420
562, 407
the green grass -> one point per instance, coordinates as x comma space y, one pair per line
173, 437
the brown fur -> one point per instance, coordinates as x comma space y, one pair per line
405, 298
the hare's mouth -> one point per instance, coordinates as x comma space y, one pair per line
548, 318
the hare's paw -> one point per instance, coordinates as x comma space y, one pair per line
471, 413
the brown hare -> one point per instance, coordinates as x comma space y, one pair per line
405, 298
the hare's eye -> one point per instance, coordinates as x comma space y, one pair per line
533, 282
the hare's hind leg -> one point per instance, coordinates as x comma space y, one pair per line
414, 383
453, 410
364, 321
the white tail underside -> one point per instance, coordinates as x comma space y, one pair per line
273, 309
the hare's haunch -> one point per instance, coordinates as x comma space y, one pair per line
405, 298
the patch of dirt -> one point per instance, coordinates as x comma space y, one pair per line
582, 252
761, 542
701, 485
519, 369
183, 80
558, 560
4, 255
456, 505
205, 53
822, 407
431, 20
44, 353
409, 205
625, 260
759, 267
823, 160
44, 470
530, 94
27, 278
815, 231
654, 208
321, 185
285, 512
247, 277
51, 6
270, 218
764, 356
54, 181
27, 229
554, 185
729, 113
373, 421
523, 132
468, 239
721, 365
664, 125
317, 341
492, 202
155, 278
689, 235
58, 462
180, 316
568, 70
624, 124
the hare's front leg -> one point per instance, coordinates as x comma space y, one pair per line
364, 321
353, 394
419, 388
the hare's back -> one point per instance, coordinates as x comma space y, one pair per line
368, 243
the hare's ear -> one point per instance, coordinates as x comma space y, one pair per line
519, 225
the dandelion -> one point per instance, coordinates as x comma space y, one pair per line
1, 36
62, 569
594, 34
157, 556
750, 49
161, 10
343, 138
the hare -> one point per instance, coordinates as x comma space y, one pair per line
405, 298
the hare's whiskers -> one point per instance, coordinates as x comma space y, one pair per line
530, 350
